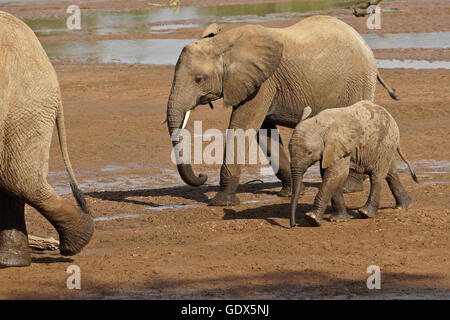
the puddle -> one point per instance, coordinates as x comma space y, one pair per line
167, 178
146, 51
176, 206
119, 216
101, 21
166, 51
433, 40
413, 64
427, 166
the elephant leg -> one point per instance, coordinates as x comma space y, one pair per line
370, 209
354, 182
75, 228
14, 250
402, 199
247, 117
280, 164
333, 179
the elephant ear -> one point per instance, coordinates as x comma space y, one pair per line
340, 140
249, 61
211, 31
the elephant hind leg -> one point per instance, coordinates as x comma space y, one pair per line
75, 228
354, 182
14, 250
402, 199
370, 209
279, 162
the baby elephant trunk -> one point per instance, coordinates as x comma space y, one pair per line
297, 178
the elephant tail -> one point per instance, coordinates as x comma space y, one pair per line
77, 193
390, 90
411, 169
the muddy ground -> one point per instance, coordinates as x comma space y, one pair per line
156, 238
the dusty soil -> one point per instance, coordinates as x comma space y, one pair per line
113, 115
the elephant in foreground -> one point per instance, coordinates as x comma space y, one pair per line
363, 136
30, 102
267, 76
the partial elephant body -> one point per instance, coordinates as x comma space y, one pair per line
268, 76
325, 64
363, 137
30, 102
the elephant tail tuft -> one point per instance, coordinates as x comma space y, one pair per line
390, 90
411, 169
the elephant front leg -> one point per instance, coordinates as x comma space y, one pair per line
278, 157
333, 179
14, 250
245, 120
229, 182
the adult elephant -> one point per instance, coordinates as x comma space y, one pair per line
30, 102
268, 75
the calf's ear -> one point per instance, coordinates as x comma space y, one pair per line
211, 31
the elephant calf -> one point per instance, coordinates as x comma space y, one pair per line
363, 136
30, 102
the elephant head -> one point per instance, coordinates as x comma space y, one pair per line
231, 65
327, 139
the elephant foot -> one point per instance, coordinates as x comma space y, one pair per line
340, 217
404, 203
313, 219
15, 258
14, 250
73, 239
368, 212
223, 199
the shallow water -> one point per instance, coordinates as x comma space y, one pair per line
119, 216
101, 21
433, 40
166, 51
427, 170
122, 180
412, 64
147, 51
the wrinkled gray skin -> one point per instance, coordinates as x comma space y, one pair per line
268, 75
30, 102
364, 137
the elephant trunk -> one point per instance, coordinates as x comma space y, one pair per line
175, 117
297, 179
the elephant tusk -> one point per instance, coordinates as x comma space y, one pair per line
164, 121
186, 117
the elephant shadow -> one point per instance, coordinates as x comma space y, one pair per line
198, 194
281, 210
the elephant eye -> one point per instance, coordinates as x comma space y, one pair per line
199, 79
310, 152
